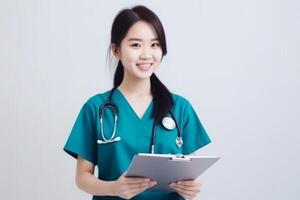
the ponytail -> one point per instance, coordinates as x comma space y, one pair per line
119, 74
162, 98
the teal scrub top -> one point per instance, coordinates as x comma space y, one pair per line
113, 159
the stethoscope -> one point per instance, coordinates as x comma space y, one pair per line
168, 123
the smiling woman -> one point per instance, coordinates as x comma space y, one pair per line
140, 103
139, 51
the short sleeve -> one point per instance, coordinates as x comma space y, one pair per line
82, 140
193, 133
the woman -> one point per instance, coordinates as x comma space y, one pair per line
143, 102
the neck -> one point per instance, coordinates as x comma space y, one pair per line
133, 86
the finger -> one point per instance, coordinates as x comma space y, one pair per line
189, 183
141, 185
136, 180
185, 196
186, 191
137, 190
194, 188
132, 191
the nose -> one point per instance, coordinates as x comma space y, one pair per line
145, 54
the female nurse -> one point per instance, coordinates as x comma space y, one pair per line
138, 42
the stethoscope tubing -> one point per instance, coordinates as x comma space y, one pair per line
114, 107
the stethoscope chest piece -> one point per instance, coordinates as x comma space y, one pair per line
168, 123
179, 142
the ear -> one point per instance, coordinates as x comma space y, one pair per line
115, 50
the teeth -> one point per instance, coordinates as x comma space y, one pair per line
144, 66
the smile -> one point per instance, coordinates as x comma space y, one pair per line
144, 66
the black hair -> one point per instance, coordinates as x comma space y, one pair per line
162, 98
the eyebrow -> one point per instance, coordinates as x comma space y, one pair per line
138, 39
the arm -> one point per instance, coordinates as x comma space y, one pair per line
123, 187
86, 180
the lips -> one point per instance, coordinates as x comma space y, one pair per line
144, 66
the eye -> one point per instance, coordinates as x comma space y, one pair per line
135, 45
156, 44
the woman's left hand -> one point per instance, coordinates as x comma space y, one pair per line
187, 189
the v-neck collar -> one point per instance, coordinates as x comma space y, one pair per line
126, 104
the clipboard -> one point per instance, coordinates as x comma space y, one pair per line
166, 168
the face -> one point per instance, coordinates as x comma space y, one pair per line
140, 51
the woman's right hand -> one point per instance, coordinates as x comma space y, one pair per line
128, 187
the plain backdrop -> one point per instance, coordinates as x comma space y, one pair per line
237, 62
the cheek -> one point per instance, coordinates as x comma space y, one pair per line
128, 55
158, 56
131, 57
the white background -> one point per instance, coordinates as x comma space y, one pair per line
236, 61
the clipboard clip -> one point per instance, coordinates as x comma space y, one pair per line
179, 157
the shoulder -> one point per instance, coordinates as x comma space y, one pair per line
182, 108
96, 100
181, 105
180, 101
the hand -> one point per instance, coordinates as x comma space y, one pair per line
128, 187
188, 189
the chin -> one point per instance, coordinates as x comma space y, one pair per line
143, 77
143, 74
